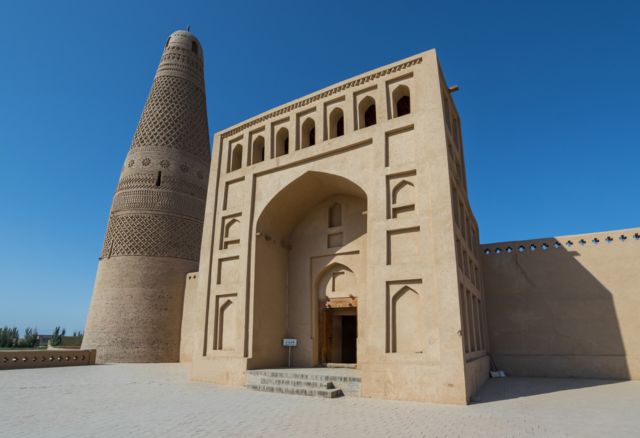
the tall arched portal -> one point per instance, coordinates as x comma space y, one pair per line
309, 270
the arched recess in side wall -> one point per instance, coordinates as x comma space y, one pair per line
273, 229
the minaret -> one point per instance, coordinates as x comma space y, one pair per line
155, 224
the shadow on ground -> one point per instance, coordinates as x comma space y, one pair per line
514, 387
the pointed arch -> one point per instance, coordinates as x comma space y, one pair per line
401, 98
236, 157
402, 193
404, 316
257, 150
367, 112
231, 228
336, 123
308, 134
277, 219
282, 142
336, 280
226, 326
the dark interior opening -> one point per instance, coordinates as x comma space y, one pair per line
312, 136
370, 116
403, 106
349, 336
340, 127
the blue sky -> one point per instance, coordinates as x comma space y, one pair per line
548, 97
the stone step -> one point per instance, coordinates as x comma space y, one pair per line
347, 381
279, 374
279, 381
297, 390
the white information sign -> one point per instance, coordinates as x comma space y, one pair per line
289, 342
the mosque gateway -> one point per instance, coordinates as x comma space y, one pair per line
340, 222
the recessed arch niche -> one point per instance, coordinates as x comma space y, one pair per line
291, 234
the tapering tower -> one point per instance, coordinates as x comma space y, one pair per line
155, 224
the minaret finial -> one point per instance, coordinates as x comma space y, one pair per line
188, 28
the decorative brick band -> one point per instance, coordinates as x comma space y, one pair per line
148, 181
160, 200
152, 235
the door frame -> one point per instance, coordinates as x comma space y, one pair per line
330, 309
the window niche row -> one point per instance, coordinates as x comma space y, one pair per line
367, 116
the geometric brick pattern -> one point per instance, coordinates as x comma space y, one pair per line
174, 117
178, 59
152, 235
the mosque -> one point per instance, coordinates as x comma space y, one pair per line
334, 232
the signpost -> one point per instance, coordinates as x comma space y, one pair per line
289, 343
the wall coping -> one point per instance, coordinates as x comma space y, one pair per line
567, 241
16, 359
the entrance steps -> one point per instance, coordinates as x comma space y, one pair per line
316, 382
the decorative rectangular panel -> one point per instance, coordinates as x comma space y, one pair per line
233, 195
403, 246
400, 148
228, 271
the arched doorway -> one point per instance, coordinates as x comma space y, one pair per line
337, 294
309, 270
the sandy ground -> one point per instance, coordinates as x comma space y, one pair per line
158, 400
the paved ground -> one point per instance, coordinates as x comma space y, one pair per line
159, 400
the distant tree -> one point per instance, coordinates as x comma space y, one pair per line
30, 338
9, 337
56, 336
78, 334
4, 337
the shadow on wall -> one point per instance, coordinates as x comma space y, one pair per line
563, 307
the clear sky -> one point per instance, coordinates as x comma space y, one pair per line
549, 100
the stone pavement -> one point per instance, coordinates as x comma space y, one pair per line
143, 400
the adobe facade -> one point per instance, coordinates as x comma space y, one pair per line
342, 220
331, 220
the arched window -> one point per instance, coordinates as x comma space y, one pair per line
257, 151
401, 101
336, 123
335, 215
282, 142
236, 157
194, 47
367, 112
308, 133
